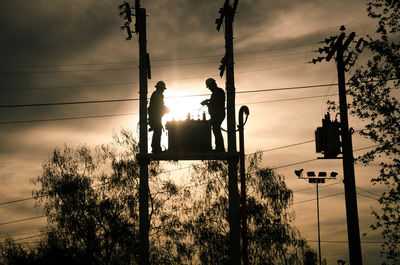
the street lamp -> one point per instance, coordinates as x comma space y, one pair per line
312, 178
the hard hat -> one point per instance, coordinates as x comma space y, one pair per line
210, 81
160, 84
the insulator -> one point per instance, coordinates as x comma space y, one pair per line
331, 39
360, 45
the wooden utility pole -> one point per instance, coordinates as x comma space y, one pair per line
144, 222
353, 231
144, 74
228, 12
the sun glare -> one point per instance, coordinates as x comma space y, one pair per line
182, 108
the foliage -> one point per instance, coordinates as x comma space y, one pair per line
90, 198
89, 207
375, 92
13, 253
272, 237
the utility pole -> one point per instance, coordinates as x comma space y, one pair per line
245, 251
314, 179
353, 231
319, 230
228, 13
144, 73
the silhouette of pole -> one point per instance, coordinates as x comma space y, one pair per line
319, 234
313, 179
353, 230
144, 222
228, 12
245, 255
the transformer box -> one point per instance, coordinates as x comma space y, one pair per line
189, 136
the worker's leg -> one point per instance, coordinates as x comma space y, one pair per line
216, 122
155, 143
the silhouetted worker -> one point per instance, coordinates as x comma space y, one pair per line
156, 110
216, 109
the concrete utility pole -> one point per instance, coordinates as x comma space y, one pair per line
353, 231
228, 12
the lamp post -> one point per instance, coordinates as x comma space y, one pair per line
312, 178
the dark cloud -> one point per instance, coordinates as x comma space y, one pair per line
48, 32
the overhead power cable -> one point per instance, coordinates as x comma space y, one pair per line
315, 159
68, 118
130, 68
187, 167
69, 103
281, 147
72, 86
158, 59
367, 196
321, 197
136, 99
131, 113
287, 99
345, 241
23, 220
22, 234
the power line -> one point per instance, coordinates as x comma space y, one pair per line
185, 186
131, 83
124, 114
187, 167
322, 197
31, 198
310, 160
282, 147
345, 241
125, 68
159, 59
323, 186
21, 234
287, 99
296, 163
69, 103
67, 118
367, 196
61, 87
23, 220
370, 192
284, 88
14, 201
136, 99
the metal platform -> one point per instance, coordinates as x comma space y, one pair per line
189, 156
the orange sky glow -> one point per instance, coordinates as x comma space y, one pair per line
67, 51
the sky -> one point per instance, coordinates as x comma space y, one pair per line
74, 51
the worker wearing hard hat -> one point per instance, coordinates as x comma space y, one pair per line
216, 109
156, 111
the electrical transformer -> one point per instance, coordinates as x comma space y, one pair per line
327, 138
189, 136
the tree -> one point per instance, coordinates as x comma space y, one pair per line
272, 237
90, 198
90, 201
375, 92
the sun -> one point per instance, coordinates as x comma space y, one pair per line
180, 108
